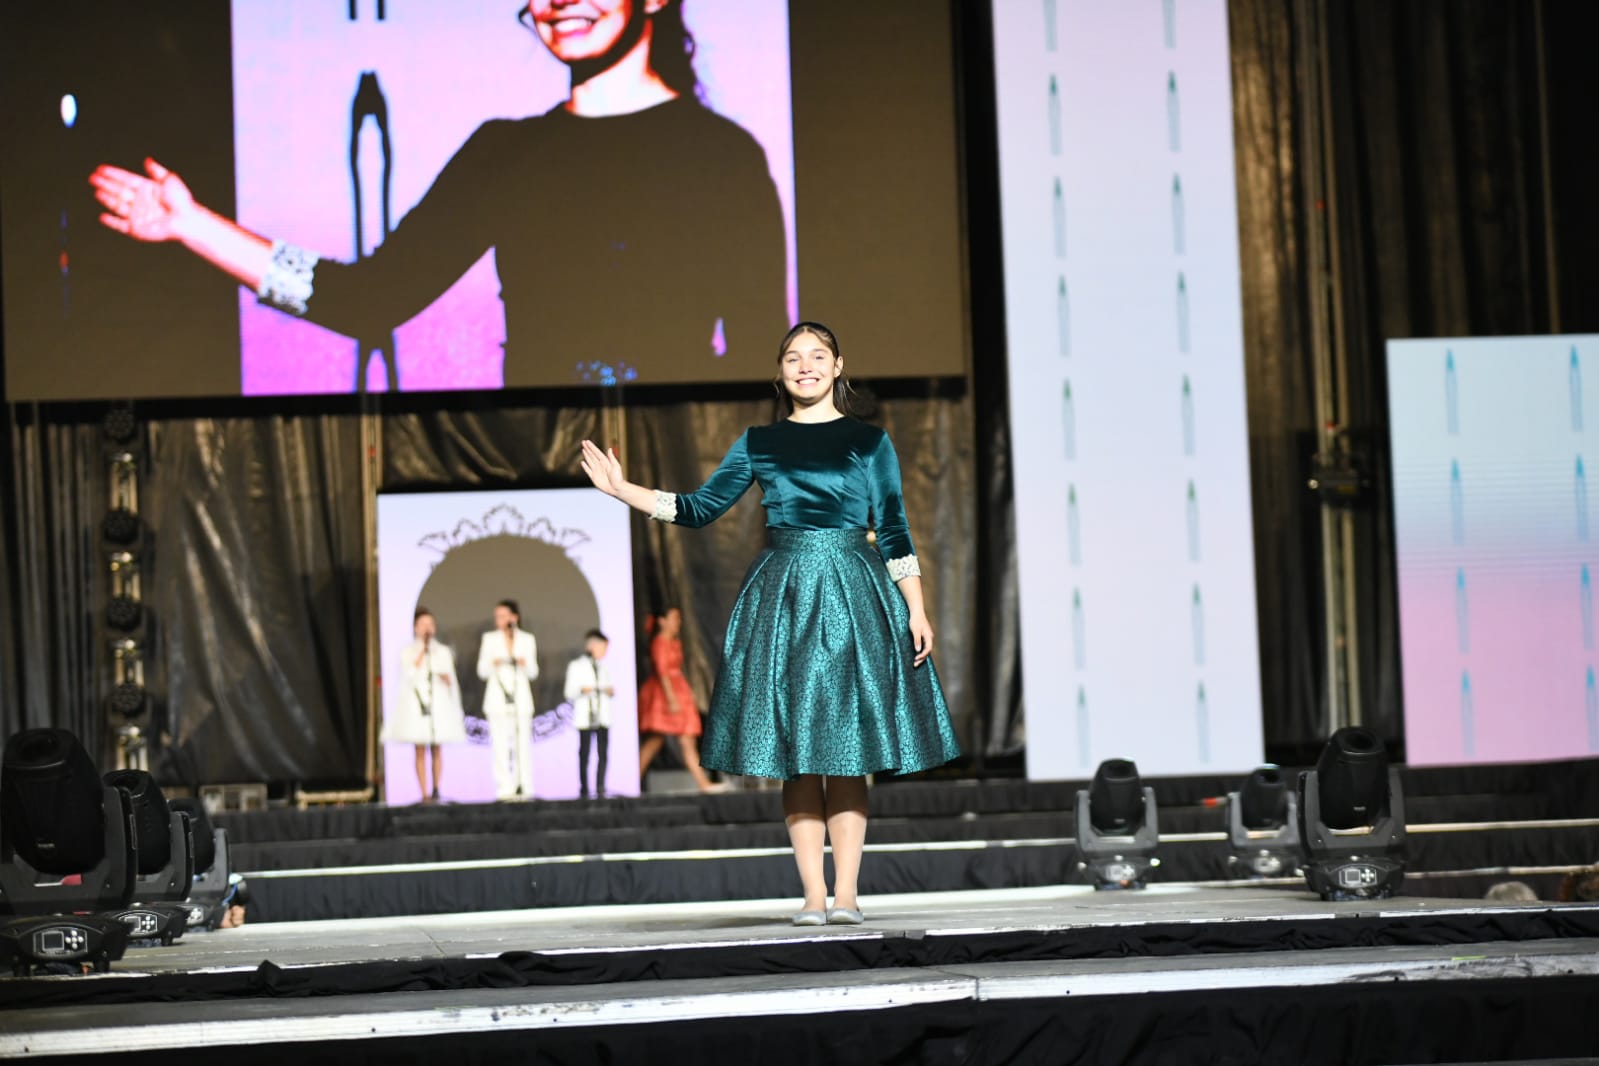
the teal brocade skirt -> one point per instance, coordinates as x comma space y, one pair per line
817, 674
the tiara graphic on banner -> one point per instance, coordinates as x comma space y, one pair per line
499, 521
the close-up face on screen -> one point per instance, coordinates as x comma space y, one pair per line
338, 196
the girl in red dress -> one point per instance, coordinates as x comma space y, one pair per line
666, 703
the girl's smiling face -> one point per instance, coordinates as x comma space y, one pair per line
809, 369
576, 31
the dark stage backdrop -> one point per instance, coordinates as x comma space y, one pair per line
252, 552
1439, 197
256, 565
253, 571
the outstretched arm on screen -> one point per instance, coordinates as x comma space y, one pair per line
157, 206
447, 231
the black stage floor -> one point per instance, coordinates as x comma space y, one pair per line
1062, 974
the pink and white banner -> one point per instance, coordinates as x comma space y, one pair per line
565, 556
1493, 441
1123, 317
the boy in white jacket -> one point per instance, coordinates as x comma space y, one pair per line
589, 689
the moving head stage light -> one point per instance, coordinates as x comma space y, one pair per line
1263, 826
211, 866
1117, 827
57, 818
164, 858
74, 939
1352, 820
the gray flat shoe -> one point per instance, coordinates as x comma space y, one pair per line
844, 916
811, 918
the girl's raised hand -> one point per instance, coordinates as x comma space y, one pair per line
603, 468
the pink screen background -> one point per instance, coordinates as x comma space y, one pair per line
444, 70
1490, 576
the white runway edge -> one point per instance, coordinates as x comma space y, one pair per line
114, 1028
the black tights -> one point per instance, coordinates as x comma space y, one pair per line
583, 738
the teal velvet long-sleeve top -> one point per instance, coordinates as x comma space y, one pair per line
841, 474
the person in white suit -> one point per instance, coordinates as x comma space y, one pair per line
427, 711
507, 660
589, 690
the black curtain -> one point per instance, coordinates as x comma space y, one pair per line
10, 692
57, 582
250, 564
1438, 168
1280, 388
1438, 215
255, 581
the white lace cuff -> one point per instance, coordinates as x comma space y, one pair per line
665, 506
903, 567
286, 284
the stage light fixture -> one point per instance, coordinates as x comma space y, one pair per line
125, 609
124, 614
74, 940
51, 802
161, 922
58, 818
1117, 827
122, 524
119, 425
211, 864
151, 816
128, 698
1352, 820
1263, 826
164, 850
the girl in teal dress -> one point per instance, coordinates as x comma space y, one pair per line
826, 673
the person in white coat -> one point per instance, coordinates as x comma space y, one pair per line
427, 710
589, 690
507, 661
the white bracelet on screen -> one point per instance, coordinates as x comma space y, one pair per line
286, 284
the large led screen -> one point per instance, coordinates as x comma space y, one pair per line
1127, 386
1493, 443
326, 196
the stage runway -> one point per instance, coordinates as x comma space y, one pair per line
555, 971
573, 930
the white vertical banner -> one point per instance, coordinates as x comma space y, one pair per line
1134, 538
1494, 445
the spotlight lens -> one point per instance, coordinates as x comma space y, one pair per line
1266, 864
69, 110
